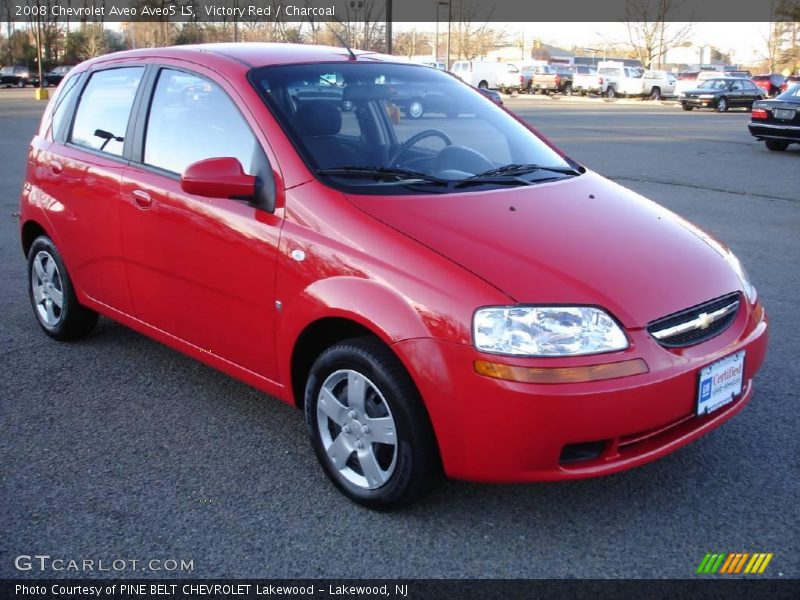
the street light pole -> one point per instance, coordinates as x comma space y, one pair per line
449, 21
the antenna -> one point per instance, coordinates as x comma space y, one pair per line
343, 43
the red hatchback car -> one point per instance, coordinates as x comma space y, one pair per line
450, 293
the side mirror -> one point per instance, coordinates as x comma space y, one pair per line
218, 178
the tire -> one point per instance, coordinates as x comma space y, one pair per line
529, 88
610, 92
687, 107
49, 282
483, 85
347, 105
776, 145
45, 83
21, 83
415, 110
582, 92
655, 93
722, 104
402, 468
568, 90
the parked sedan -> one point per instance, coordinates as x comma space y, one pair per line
55, 76
17, 76
777, 121
465, 299
721, 94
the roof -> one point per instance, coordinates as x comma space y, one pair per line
254, 54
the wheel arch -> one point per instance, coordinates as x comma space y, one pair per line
29, 232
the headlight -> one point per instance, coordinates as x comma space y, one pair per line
546, 331
749, 289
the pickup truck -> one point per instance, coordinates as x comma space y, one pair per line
613, 78
657, 84
548, 78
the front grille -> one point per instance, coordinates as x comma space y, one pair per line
696, 324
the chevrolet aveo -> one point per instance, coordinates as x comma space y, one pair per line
445, 292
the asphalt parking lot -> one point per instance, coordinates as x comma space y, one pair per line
117, 447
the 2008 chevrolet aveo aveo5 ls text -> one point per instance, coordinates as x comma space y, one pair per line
446, 294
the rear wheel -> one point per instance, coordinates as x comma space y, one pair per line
568, 89
52, 296
483, 85
655, 93
722, 104
686, 106
776, 145
610, 92
368, 426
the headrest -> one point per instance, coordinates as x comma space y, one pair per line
318, 118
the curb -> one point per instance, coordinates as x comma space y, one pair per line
587, 99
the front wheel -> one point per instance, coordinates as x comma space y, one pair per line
21, 83
722, 104
52, 296
415, 109
483, 85
368, 426
776, 145
687, 107
655, 93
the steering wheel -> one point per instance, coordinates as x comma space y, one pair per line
415, 139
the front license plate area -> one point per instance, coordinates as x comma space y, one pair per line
783, 113
720, 383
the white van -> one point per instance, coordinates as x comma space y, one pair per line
478, 73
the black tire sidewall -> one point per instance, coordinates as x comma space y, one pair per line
411, 469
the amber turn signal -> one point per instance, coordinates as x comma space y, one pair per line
613, 370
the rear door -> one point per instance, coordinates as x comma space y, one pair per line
83, 169
200, 269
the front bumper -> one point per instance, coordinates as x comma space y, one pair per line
699, 102
501, 431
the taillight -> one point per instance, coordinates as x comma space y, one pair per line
758, 113
558, 79
600, 80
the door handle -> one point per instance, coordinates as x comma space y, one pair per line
56, 167
142, 199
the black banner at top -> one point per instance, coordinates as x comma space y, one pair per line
353, 11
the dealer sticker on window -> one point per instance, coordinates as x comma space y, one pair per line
720, 383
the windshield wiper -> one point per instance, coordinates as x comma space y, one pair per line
401, 175
515, 169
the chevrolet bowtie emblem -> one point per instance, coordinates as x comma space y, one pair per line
704, 320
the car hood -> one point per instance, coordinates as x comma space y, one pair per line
583, 240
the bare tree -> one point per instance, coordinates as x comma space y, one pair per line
412, 43
650, 33
472, 38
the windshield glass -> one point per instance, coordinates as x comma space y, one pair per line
793, 93
714, 84
7, 71
382, 127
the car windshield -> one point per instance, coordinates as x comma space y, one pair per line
7, 71
714, 84
392, 128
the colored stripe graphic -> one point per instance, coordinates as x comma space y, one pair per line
734, 562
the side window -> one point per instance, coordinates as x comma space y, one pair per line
192, 119
64, 99
736, 86
104, 109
